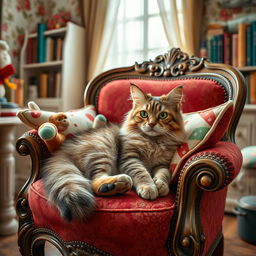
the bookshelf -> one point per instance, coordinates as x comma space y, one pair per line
234, 43
62, 72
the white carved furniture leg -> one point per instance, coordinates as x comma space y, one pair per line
8, 222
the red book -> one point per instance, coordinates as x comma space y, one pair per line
29, 56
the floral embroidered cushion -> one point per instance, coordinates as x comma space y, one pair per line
203, 128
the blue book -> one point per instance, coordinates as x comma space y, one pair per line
41, 42
249, 46
220, 48
254, 43
214, 53
247, 82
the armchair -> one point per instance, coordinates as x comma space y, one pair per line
186, 222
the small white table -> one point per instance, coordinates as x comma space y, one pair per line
8, 222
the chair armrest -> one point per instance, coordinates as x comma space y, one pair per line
209, 170
226, 160
30, 144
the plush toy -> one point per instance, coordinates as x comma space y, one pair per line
54, 128
58, 20
6, 70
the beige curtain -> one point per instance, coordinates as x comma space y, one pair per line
182, 23
99, 18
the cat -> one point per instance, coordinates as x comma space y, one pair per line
112, 159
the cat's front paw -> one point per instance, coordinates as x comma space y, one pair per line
162, 187
147, 191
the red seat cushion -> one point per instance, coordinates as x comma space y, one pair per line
121, 225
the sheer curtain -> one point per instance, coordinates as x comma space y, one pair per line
181, 20
99, 17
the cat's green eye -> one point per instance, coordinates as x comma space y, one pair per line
163, 115
143, 114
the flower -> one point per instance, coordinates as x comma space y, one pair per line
23, 5
4, 27
41, 10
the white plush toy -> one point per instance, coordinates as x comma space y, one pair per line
6, 68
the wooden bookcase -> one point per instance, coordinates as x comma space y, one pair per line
71, 68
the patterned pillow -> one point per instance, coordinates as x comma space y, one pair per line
249, 157
203, 128
78, 120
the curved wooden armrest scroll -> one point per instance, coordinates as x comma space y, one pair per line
203, 172
29, 144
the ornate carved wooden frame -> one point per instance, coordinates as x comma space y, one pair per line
202, 173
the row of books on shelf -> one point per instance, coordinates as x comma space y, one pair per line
250, 79
45, 85
237, 48
43, 48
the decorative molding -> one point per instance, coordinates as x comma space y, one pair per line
173, 63
72, 248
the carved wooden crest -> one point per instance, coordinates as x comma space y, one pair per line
173, 63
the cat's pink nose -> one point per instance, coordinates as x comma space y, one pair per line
152, 124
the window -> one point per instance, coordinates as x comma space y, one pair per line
139, 34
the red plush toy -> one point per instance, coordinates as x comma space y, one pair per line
59, 20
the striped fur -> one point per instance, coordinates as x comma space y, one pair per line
139, 153
148, 143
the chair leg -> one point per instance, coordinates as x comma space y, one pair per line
220, 248
38, 248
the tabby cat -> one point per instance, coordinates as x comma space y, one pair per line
112, 159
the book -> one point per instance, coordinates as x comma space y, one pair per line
29, 51
59, 45
253, 24
247, 82
249, 45
212, 33
43, 84
41, 42
214, 49
241, 57
51, 85
252, 78
49, 48
234, 49
220, 48
57, 86
227, 48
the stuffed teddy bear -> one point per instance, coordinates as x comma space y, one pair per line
54, 128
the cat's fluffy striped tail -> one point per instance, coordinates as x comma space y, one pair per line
68, 190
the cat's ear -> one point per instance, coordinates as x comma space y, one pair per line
137, 95
175, 95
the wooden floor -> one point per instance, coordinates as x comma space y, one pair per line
234, 246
